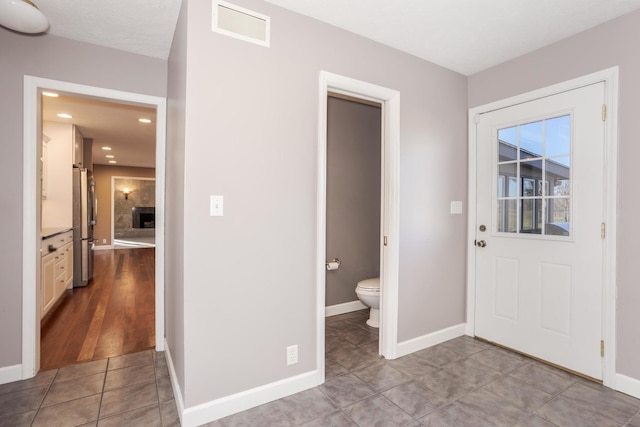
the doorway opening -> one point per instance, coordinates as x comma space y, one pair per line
32, 274
389, 206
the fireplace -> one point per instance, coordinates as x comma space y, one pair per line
143, 217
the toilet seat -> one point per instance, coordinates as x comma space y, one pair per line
369, 285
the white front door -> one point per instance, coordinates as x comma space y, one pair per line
539, 247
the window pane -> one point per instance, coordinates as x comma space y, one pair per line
507, 144
531, 170
531, 140
507, 216
558, 135
559, 174
530, 212
558, 220
508, 171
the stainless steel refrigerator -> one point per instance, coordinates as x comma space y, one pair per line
84, 218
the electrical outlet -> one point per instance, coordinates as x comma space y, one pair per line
292, 355
104, 240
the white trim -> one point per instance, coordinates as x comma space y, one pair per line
390, 100
347, 307
429, 340
9, 374
30, 209
610, 77
175, 385
628, 385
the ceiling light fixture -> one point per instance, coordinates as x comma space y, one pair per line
110, 156
50, 94
65, 116
144, 120
105, 148
112, 161
22, 16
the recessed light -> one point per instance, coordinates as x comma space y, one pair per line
144, 120
112, 161
65, 116
51, 94
105, 148
110, 156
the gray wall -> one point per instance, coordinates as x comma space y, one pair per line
60, 59
353, 196
613, 43
250, 120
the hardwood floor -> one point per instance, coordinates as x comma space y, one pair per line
113, 315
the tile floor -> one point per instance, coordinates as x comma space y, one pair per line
130, 390
462, 382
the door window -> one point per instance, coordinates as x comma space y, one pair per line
533, 194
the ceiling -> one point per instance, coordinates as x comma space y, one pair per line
109, 124
466, 36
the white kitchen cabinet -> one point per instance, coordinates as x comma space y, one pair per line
57, 269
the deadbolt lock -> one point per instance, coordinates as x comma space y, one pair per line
483, 227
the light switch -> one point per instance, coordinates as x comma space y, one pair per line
217, 204
456, 207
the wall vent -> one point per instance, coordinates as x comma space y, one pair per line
235, 21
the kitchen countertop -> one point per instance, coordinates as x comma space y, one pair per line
52, 231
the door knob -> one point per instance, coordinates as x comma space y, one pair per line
481, 243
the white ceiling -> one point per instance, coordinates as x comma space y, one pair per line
466, 36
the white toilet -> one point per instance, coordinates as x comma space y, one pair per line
368, 292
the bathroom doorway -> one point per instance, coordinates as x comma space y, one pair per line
367, 177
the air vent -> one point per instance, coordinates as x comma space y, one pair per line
240, 23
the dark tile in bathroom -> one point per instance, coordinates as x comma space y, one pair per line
634, 421
23, 419
465, 345
535, 421
360, 335
415, 400
346, 389
519, 393
412, 365
169, 414
128, 399
438, 355
562, 412
42, 379
382, 376
354, 358
445, 384
118, 378
377, 411
21, 401
500, 360
133, 359
453, 415
537, 375
332, 368
269, 414
610, 404
492, 408
472, 371
335, 342
81, 370
71, 413
165, 391
334, 419
306, 406
75, 388
147, 416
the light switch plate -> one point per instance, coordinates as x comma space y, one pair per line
456, 207
217, 205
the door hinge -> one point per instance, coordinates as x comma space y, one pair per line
603, 231
385, 240
602, 348
604, 112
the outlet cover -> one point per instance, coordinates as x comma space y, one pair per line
292, 355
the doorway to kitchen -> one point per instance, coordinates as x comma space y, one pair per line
32, 272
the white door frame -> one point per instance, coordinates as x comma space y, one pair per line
31, 193
390, 100
610, 77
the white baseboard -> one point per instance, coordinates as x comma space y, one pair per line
102, 247
228, 405
429, 340
628, 385
9, 374
347, 307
